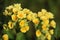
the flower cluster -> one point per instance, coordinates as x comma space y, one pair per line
43, 21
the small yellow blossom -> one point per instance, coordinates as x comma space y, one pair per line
21, 15
34, 15
10, 25
36, 21
24, 29
26, 11
9, 7
18, 6
5, 13
48, 36
49, 15
43, 11
22, 23
44, 27
27, 28
15, 10
14, 17
53, 24
40, 14
5, 37
51, 31
44, 18
46, 22
38, 33
4, 26
29, 17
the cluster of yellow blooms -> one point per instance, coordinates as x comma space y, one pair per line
23, 16
46, 24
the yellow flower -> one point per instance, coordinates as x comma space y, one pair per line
18, 6
53, 24
22, 23
27, 28
49, 15
24, 29
10, 25
51, 31
40, 14
4, 26
43, 18
9, 7
26, 11
35, 21
5, 37
34, 15
46, 22
5, 13
38, 33
29, 17
43, 11
44, 27
14, 17
21, 15
48, 36
15, 10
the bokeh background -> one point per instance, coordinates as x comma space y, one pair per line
34, 5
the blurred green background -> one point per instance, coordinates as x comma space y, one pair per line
34, 5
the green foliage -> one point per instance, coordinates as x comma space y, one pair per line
20, 36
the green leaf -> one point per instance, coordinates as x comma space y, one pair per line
52, 38
57, 31
10, 34
20, 36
